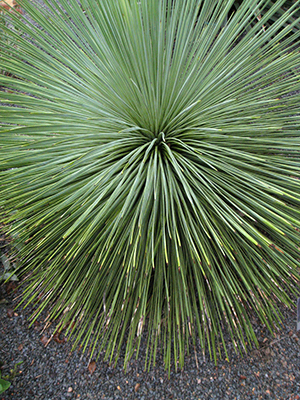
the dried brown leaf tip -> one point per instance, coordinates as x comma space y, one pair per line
137, 386
57, 338
10, 5
92, 367
11, 287
7, 4
44, 340
10, 313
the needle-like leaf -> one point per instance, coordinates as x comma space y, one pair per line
150, 165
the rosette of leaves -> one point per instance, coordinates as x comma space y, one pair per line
150, 163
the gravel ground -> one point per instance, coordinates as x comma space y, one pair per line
52, 373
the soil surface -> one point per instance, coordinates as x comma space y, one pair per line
50, 372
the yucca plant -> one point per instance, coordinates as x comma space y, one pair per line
150, 155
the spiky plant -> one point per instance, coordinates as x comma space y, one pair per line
150, 160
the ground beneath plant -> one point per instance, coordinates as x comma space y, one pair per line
51, 372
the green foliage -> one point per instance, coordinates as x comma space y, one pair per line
8, 262
9, 269
5, 20
150, 163
4, 385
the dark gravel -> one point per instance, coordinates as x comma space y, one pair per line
52, 373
